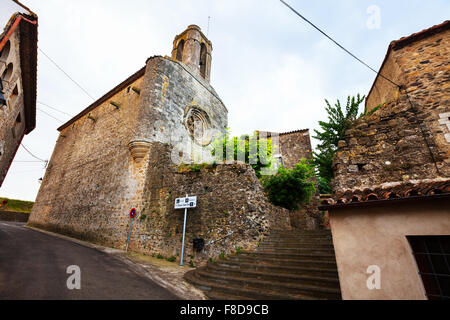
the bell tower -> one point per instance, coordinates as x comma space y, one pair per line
193, 49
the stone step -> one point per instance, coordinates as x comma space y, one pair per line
228, 291
274, 261
287, 265
217, 295
292, 256
330, 282
322, 231
305, 243
298, 238
279, 269
329, 251
297, 244
316, 291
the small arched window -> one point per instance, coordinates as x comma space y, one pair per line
8, 72
180, 49
5, 51
203, 60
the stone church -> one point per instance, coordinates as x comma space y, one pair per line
123, 151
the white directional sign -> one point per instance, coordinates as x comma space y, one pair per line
186, 203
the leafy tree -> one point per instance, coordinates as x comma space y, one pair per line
332, 132
251, 149
291, 188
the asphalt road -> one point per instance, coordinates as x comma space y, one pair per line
34, 266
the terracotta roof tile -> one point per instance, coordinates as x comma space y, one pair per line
400, 43
407, 190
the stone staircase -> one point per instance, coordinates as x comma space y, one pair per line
288, 265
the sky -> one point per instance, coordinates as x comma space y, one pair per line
271, 69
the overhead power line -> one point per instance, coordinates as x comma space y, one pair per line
400, 87
338, 44
67, 75
30, 153
53, 108
20, 161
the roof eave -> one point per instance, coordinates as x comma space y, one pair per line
382, 202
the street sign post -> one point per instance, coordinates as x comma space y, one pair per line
185, 203
132, 215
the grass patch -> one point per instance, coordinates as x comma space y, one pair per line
16, 205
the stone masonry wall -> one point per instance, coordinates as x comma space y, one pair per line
11, 131
389, 146
423, 68
103, 166
166, 107
295, 146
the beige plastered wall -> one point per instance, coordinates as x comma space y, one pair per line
376, 235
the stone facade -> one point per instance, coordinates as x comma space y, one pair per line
125, 151
289, 147
407, 137
18, 115
232, 211
294, 147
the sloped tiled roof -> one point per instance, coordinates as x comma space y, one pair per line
398, 44
389, 192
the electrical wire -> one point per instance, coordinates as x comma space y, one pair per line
48, 114
20, 161
30, 153
338, 44
67, 75
400, 87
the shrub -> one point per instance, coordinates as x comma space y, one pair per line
160, 257
259, 158
172, 259
291, 188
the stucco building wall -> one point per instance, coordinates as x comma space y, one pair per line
376, 235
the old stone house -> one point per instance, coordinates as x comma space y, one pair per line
18, 61
124, 151
390, 212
